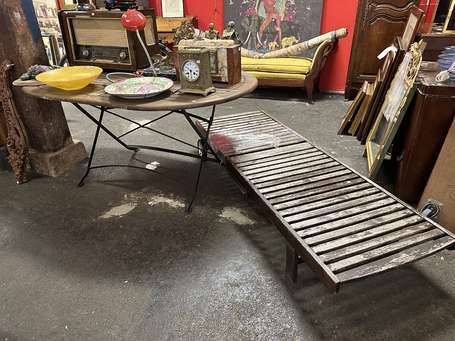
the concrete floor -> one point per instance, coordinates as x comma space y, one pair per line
119, 259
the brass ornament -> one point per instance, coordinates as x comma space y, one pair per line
211, 33
184, 31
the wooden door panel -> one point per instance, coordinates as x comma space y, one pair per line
378, 22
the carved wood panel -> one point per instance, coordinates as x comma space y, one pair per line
377, 24
3, 133
17, 140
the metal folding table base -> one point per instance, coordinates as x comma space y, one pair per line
205, 151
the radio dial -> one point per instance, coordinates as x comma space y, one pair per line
123, 55
85, 53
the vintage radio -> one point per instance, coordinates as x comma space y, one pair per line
98, 38
225, 59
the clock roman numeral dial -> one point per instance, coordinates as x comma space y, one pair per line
191, 70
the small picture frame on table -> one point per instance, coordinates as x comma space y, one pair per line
412, 27
449, 25
172, 8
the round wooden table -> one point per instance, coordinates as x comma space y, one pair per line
172, 101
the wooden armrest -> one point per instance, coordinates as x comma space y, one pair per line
320, 58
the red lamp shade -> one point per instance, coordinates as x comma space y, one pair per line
133, 20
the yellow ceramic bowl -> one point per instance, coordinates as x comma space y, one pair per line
70, 77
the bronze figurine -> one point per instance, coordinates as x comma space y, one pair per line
212, 33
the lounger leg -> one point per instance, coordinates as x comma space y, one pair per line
292, 260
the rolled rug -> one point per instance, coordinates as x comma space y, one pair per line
299, 48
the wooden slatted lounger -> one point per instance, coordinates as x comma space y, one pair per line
340, 223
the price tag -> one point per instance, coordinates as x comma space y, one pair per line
386, 51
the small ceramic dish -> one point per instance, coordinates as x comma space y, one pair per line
139, 87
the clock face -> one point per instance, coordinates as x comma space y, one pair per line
191, 70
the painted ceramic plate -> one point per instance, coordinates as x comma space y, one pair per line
139, 88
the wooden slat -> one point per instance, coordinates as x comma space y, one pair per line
283, 142
241, 137
271, 138
277, 151
233, 145
299, 178
383, 251
306, 182
270, 129
399, 231
359, 227
246, 128
276, 179
336, 210
228, 118
236, 115
278, 161
239, 122
358, 237
298, 161
231, 148
371, 211
313, 186
262, 147
359, 210
325, 199
412, 254
295, 165
242, 123
302, 151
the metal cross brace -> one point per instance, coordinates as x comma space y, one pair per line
203, 150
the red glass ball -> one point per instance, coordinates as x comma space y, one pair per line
133, 20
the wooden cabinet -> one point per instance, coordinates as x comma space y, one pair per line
436, 42
422, 135
377, 24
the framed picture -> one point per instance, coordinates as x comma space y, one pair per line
449, 25
172, 8
353, 108
268, 25
385, 76
412, 26
393, 109
364, 109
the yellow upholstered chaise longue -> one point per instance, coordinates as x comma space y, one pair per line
290, 72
